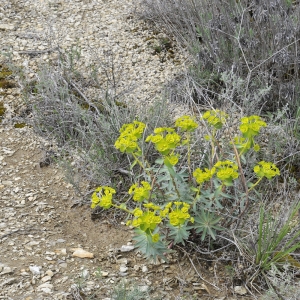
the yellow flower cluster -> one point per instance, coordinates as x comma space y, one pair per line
105, 198
202, 176
178, 215
140, 193
147, 220
226, 171
186, 123
129, 135
266, 169
165, 140
251, 125
215, 118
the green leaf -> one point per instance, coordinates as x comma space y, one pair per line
168, 164
171, 171
159, 161
243, 159
226, 195
148, 248
206, 222
179, 234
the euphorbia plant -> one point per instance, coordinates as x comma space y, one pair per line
171, 202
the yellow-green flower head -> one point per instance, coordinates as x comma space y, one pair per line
164, 212
140, 193
137, 212
226, 171
147, 222
251, 125
215, 118
163, 147
256, 147
172, 139
266, 169
179, 215
163, 129
186, 123
165, 139
172, 159
202, 176
129, 134
103, 197
152, 206
207, 137
155, 139
155, 238
126, 145
134, 130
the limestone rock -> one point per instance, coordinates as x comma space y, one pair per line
78, 252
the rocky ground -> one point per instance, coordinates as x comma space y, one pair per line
50, 247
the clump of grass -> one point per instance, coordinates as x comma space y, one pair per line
258, 41
85, 124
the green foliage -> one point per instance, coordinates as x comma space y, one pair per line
179, 234
145, 244
171, 202
207, 223
275, 242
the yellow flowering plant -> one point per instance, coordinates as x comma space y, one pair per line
170, 202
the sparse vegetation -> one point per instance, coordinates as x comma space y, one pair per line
244, 60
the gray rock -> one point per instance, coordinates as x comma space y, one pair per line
123, 268
6, 270
35, 270
85, 274
240, 290
8, 281
7, 27
144, 269
45, 287
60, 241
46, 278
126, 248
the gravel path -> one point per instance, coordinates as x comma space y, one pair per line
49, 249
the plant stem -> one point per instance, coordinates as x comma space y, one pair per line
173, 181
122, 208
255, 184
